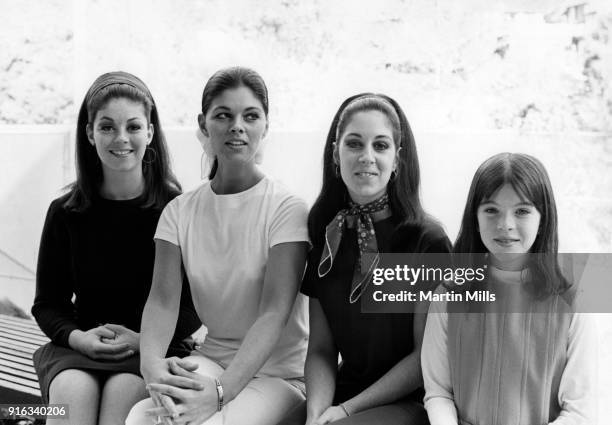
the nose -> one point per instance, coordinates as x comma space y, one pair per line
122, 135
367, 155
237, 126
506, 221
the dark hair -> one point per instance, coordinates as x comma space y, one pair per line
529, 179
403, 190
160, 182
230, 78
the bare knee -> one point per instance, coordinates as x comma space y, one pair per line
81, 391
120, 393
74, 383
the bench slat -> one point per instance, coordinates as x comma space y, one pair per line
19, 387
25, 345
20, 336
22, 381
20, 328
17, 366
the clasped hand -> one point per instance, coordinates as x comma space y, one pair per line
106, 342
182, 395
330, 415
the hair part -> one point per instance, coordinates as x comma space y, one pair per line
530, 181
160, 182
403, 190
231, 78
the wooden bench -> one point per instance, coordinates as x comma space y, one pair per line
19, 338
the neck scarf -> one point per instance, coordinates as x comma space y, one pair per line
362, 217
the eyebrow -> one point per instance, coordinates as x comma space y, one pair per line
225, 108
524, 203
110, 119
380, 136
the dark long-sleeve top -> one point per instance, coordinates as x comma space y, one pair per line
95, 267
370, 343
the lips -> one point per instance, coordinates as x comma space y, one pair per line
120, 153
505, 241
236, 143
366, 174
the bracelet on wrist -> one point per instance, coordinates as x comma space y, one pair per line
344, 408
219, 394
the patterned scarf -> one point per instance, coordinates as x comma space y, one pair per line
362, 217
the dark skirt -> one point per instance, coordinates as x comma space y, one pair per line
51, 359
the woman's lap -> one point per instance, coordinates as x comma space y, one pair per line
263, 401
404, 412
50, 360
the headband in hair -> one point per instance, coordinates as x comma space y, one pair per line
366, 97
117, 77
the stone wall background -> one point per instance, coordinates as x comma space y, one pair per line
537, 65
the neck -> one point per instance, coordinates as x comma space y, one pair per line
121, 186
509, 262
229, 180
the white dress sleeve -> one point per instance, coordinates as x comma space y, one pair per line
577, 389
289, 223
167, 226
439, 401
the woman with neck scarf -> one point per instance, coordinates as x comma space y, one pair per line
368, 203
95, 261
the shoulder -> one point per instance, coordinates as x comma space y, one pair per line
282, 199
424, 236
185, 200
58, 208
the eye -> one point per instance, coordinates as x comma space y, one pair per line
105, 128
490, 210
135, 127
523, 211
353, 143
381, 146
221, 115
252, 116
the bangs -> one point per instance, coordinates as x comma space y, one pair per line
529, 189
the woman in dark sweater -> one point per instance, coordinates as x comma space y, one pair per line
369, 203
96, 256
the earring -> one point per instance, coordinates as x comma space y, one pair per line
151, 152
337, 170
393, 175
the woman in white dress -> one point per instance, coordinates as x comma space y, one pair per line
242, 239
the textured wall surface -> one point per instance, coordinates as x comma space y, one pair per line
535, 66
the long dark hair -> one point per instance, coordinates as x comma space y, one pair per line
230, 78
403, 190
160, 182
529, 179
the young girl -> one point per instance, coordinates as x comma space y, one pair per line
369, 203
97, 247
505, 366
243, 239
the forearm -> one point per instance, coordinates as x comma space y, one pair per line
399, 381
439, 397
161, 310
256, 348
577, 396
158, 323
56, 323
320, 372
